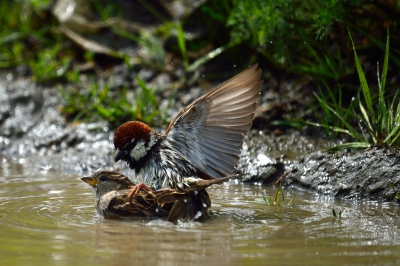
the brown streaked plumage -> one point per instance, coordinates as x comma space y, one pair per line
189, 202
204, 140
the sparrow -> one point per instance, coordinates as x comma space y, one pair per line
204, 140
111, 190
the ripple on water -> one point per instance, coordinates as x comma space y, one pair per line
50, 218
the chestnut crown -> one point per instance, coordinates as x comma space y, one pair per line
132, 130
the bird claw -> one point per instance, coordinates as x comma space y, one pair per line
137, 188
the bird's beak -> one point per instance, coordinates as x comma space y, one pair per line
89, 180
121, 154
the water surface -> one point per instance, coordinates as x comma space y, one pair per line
49, 218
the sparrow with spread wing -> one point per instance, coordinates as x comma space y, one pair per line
204, 140
111, 191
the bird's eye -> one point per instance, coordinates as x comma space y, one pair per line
102, 178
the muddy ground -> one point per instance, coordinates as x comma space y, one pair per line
33, 131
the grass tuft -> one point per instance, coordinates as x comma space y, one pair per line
379, 123
337, 216
279, 198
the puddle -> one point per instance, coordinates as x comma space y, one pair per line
49, 218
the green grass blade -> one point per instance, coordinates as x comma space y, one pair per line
376, 42
352, 131
331, 64
393, 122
350, 145
393, 136
336, 129
153, 10
363, 133
392, 115
277, 196
382, 104
182, 44
385, 62
327, 116
147, 92
369, 127
365, 116
103, 111
383, 114
292, 199
383, 123
196, 64
364, 84
389, 120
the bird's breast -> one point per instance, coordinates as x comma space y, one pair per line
166, 169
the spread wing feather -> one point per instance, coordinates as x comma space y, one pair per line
210, 131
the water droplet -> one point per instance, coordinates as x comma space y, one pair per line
198, 214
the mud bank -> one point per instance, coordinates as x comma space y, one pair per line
33, 131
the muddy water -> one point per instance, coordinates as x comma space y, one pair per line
49, 218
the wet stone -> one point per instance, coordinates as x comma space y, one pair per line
359, 175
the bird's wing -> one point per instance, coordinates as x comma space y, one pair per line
189, 207
210, 131
172, 204
142, 205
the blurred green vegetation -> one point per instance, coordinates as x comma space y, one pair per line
24, 32
95, 103
307, 39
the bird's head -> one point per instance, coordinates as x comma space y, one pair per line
133, 141
104, 181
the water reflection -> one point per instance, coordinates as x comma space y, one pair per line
49, 218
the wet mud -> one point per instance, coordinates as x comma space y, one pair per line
33, 131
